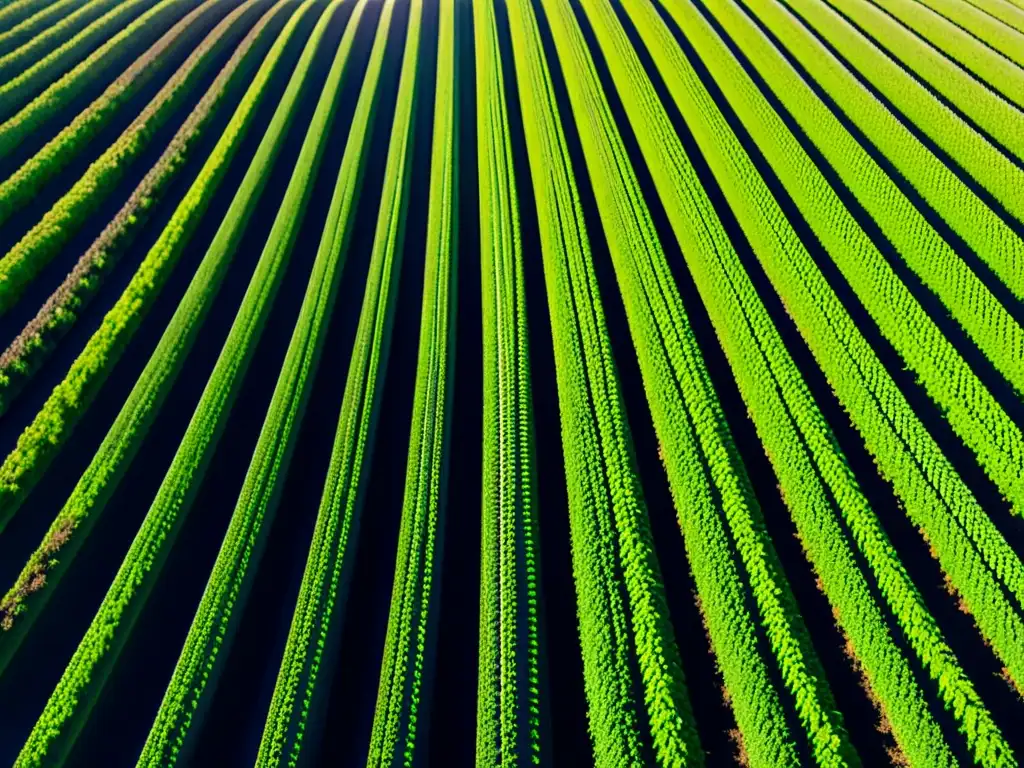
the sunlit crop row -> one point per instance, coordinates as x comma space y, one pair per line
118, 449
984, 232
730, 553
983, 161
58, 32
819, 488
71, 397
510, 688
632, 673
46, 239
407, 668
46, 85
972, 411
20, 187
209, 638
295, 716
70, 703
20, 28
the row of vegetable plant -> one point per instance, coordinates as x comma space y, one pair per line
83, 680
1011, 15
971, 550
37, 74
968, 405
55, 34
407, 668
13, 13
731, 555
815, 481
39, 442
20, 187
297, 707
209, 639
23, 116
997, 33
636, 692
47, 238
893, 60
18, 33
30, 349
1005, 11
991, 238
47, 564
511, 690
980, 57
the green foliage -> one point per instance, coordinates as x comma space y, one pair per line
209, 638
936, 500
983, 231
14, 14
1008, 13
983, 161
20, 92
53, 424
970, 408
632, 673
22, 185
38, 46
510, 689
21, 32
316, 625
987, 48
706, 476
87, 500
996, 33
400, 719
46, 239
69, 705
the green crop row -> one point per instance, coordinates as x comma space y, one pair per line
55, 421
408, 663
34, 49
22, 185
296, 707
83, 680
86, 674
139, 34
983, 231
962, 555
209, 639
968, 405
633, 676
984, 27
510, 690
969, 149
970, 549
974, 55
40, 75
970, 408
46, 239
729, 550
14, 13
1003, 10
815, 480
38, 338
19, 33
48, 563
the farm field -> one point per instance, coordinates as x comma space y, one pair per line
512, 382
